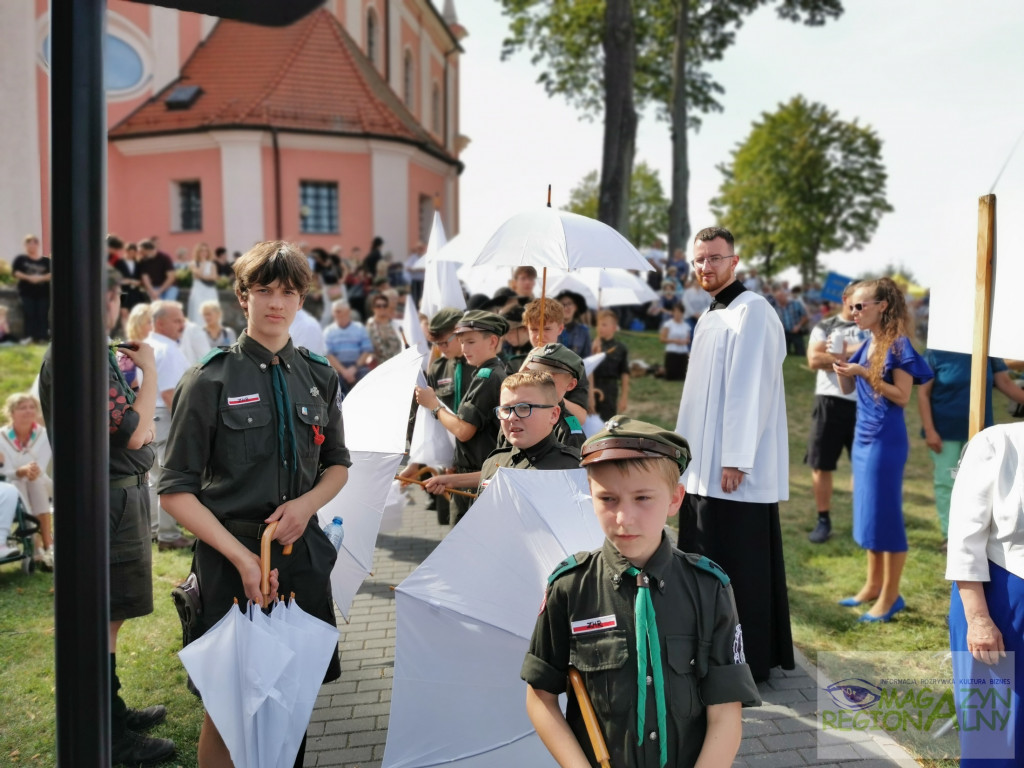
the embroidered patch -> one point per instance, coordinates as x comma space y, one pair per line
594, 625
574, 424
444, 382
738, 657
244, 399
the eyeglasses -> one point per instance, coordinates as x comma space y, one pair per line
444, 343
381, 306
521, 410
860, 307
709, 261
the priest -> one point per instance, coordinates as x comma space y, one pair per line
733, 413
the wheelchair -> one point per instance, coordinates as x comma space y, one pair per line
23, 530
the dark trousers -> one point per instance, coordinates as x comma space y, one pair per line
37, 321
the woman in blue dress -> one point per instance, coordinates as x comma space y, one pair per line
883, 371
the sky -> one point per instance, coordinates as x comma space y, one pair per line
939, 82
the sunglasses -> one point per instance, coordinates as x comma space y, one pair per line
860, 306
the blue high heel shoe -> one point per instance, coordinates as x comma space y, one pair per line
852, 602
898, 606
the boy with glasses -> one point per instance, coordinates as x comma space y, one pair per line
527, 413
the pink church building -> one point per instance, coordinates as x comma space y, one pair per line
339, 128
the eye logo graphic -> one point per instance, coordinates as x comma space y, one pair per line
854, 693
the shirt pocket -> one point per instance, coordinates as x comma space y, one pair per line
682, 672
309, 415
248, 435
603, 660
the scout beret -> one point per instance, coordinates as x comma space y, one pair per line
626, 438
558, 357
444, 319
113, 279
478, 320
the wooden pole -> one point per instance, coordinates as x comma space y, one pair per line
590, 719
982, 310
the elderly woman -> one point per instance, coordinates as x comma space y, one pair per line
383, 335
136, 328
986, 562
25, 455
216, 334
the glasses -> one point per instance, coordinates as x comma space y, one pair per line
444, 343
709, 261
521, 410
381, 306
860, 306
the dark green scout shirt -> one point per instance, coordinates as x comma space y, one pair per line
123, 420
547, 454
701, 643
443, 376
477, 408
223, 445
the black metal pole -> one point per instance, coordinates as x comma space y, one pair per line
80, 437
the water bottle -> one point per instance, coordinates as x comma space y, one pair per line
335, 532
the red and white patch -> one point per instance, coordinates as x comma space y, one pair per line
594, 625
244, 399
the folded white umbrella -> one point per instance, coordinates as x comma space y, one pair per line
464, 619
441, 286
592, 361
237, 665
376, 414
431, 445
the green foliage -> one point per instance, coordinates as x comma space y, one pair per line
803, 183
648, 206
183, 277
6, 278
564, 38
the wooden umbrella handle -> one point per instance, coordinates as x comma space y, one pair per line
447, 491
268, 536
590, 719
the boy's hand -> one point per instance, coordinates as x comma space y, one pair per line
292, 518
623, 405
731, 479
426, 397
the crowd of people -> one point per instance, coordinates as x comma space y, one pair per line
196, 444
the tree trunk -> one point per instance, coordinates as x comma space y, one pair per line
620, 119
679, 210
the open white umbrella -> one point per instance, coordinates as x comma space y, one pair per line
464, 619
376, 414
604, 287
547, 238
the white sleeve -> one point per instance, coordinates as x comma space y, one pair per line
970, 509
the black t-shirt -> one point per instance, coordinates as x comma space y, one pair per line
329, 270
29, 266
156, 266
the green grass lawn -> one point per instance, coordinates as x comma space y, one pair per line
818, 575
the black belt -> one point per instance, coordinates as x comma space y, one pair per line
248, 529
131, 481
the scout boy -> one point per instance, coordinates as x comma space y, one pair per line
566, 368
652, 631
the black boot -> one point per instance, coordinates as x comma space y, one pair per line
128, 747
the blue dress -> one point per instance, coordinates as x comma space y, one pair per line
880, 450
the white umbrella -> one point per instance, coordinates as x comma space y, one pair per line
376, 414
440, 283
604, 287
486, 279
412, 331
431, 445
237, 665
547, 238
464, 619
590, 362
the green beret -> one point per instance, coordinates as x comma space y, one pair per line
113, 279
478, 320
626, 438
444, 320
558, 357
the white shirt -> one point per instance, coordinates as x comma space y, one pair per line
678, 330
306, 332
170, 363
986, 510
194, 342
827, 382
695, 301
733, 409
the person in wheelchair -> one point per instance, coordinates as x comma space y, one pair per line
9, 499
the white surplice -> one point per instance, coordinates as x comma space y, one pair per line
733, 409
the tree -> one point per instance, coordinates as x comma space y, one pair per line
648, 206
803, 183
570, 39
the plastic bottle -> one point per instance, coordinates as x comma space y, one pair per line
335, 531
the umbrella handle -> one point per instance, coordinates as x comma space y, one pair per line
268, 535
590, 719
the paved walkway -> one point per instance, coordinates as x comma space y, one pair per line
349, 724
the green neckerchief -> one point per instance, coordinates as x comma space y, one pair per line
285, 430
458, 384
129, 393
647, 635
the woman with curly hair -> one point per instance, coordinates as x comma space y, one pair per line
883, 372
